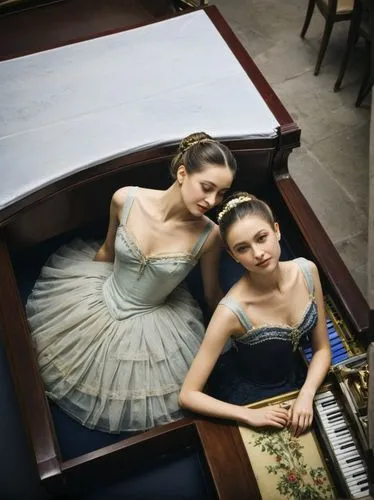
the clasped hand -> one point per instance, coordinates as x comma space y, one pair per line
298, 416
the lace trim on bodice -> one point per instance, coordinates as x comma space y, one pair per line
131, 242
129, 239
278, 331
283, 332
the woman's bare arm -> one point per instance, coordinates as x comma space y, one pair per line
209, 263
301, 414
223, 323
321, 359
106, 251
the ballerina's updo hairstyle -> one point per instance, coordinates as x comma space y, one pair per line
198, 150
239, 205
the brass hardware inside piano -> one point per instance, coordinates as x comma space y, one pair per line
356, 380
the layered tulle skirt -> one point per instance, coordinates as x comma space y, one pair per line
111, 375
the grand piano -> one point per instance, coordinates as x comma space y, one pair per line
80, 120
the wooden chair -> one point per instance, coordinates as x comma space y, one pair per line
333, 11
362, 24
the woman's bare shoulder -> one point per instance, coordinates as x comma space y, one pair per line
120, 195
228, 320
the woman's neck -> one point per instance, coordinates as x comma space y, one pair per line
269, 283
171, 205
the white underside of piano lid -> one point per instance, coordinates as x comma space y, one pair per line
66, 109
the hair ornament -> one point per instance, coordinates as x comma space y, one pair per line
197, 141
234, 202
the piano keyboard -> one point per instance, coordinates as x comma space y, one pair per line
338, 350
347, 456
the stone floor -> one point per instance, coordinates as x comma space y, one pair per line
331, 167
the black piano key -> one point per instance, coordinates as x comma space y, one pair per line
334, 417
363, 481
351, 460
359, 473
328, 403
349, 445
340, 429
333, 412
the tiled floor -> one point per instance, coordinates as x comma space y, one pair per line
331, 167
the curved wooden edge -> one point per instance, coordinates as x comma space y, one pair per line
255, 75
228, 460
156, 15
123, 162
156, 438
25, 372
326, 256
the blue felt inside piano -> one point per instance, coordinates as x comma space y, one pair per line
343, 346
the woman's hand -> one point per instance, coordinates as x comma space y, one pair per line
273, 416
300, 414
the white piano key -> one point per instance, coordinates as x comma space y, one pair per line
333, 421
351, 471
359, 471
324, 395
358, 490
339, 442
346, 468
336, 442
342, 444
350, 479
348, 460
345, 448
355, 470
335, 434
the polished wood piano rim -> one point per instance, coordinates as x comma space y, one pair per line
231, 474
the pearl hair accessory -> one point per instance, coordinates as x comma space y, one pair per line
232, 204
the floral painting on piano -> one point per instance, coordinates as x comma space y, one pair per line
287, 467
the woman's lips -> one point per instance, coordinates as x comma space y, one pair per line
202, 209
263, 263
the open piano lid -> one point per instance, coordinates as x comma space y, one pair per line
70, 108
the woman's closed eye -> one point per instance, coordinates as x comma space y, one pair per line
206, 188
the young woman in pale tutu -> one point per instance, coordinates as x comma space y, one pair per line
266, 314
114, 332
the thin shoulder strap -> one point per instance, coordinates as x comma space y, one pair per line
307, 272
202, 238
234, 306
128, 204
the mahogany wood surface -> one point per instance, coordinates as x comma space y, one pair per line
83, 198
59, 22
25, 371
228, 459
322, 251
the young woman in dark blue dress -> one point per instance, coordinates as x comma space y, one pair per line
266, 314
